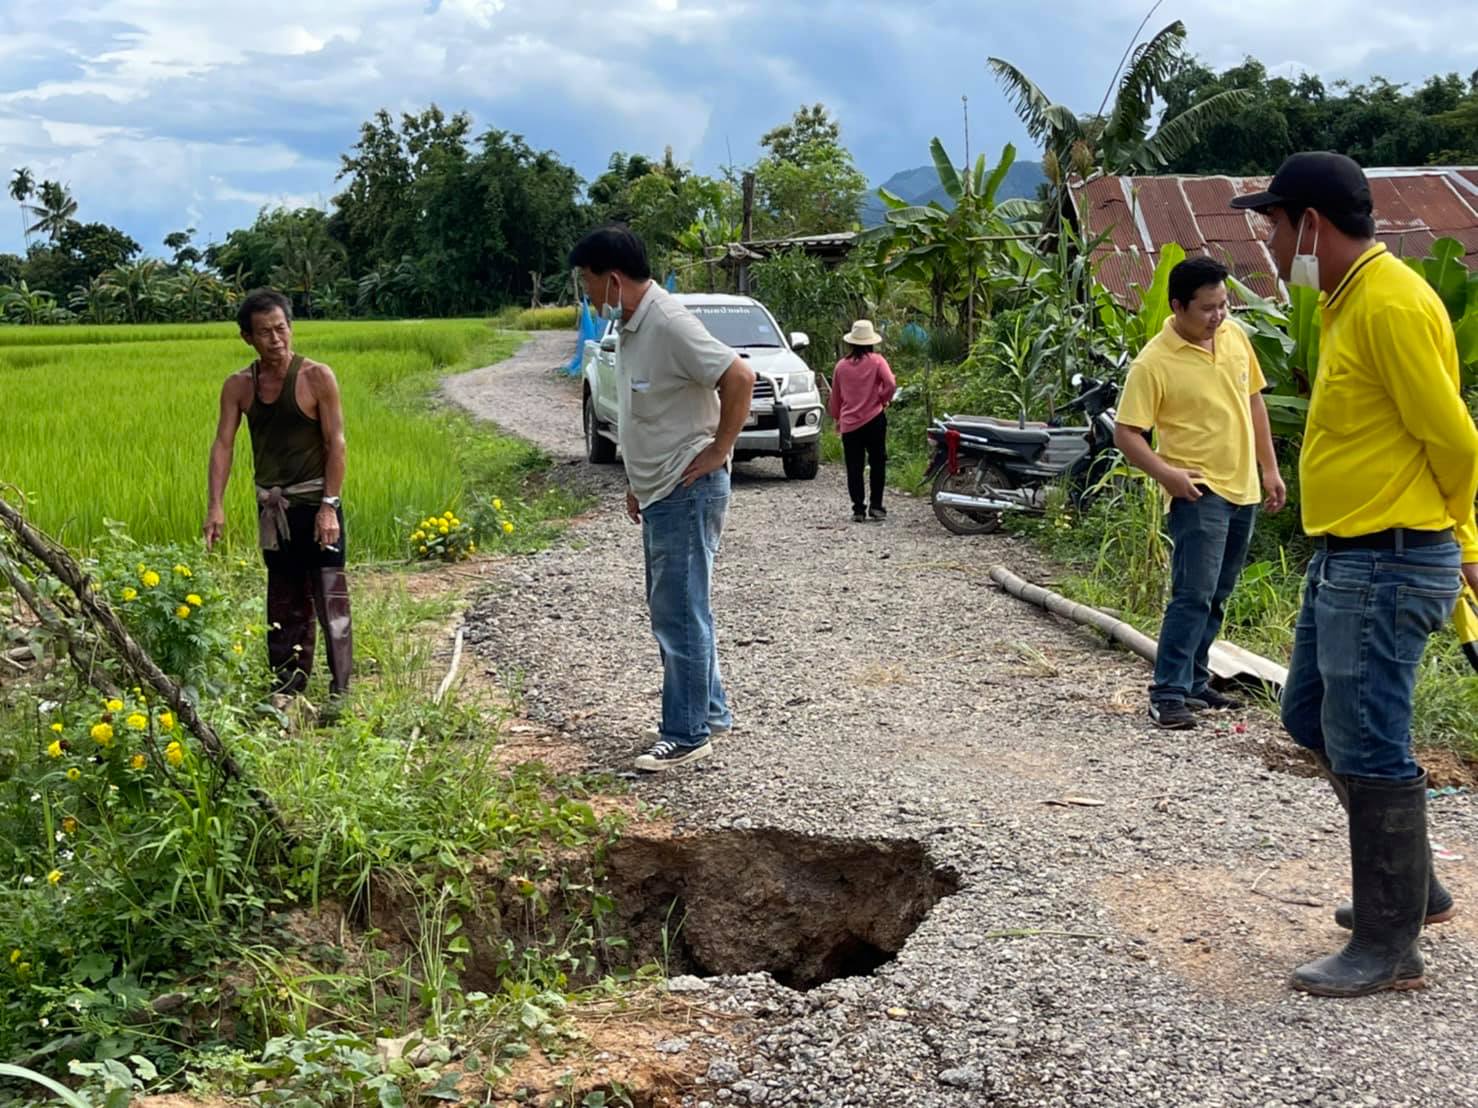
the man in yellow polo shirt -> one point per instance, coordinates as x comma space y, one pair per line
1388, 474
1198, 383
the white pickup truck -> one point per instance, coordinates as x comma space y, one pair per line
785, 414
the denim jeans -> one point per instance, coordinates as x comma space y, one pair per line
1210, 536
1357, 647
680, 537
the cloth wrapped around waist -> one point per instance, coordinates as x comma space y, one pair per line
272, 527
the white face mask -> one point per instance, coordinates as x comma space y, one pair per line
1305, 269
611, 310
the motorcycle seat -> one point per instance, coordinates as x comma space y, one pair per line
1015, 436
993, 421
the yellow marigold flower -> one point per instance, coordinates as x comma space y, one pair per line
166, 721
456, 522
57, 727
73, 774
102, 733
55, 749
507, 527
444, 528
55, 877
423, 548
69, 825
114, 705
137, 721
174, 754
237, 648
183, 611
472, 548
130, 593
15, 956
194, 599
497, 504
150, 579
183, 571
446, 514
417, 536
138, 761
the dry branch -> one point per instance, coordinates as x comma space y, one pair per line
100, 613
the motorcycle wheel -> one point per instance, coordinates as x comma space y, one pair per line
966, 483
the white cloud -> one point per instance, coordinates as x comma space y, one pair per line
166, 110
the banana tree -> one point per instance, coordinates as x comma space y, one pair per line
23, 304
948, 251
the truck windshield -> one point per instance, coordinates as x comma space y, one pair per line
737, 325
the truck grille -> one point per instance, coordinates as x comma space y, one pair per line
764, 388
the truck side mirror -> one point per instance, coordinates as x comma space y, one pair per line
608, 345
799, 340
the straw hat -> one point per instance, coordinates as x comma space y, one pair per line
863, 334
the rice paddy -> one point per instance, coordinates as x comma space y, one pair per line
115, 423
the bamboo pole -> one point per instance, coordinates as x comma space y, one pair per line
1116, 629
66, 570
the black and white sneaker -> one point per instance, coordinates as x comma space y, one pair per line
667, 755
1209, 700
859, 517
1172, 716
878, 513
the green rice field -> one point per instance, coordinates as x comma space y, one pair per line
115, 423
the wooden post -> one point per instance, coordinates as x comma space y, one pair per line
746, 232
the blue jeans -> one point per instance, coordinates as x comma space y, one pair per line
680, 537
1211, 536
1357, 647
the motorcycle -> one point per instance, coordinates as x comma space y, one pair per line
982, 467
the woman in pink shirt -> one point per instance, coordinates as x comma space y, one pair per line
862, 387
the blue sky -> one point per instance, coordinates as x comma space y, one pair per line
161, 114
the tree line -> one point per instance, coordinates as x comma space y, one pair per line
433, 219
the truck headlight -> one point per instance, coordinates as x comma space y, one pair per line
792, 383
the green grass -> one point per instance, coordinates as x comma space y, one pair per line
116, 423
1115, 557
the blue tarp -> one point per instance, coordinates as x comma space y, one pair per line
588, 326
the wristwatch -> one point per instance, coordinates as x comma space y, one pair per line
330, 501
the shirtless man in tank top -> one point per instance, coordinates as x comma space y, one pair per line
292, 410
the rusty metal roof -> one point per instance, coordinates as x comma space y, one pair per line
1413, 207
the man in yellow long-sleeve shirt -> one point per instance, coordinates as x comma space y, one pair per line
1388, 475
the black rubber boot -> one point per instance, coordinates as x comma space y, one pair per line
1388, 865
331, 598
1440, 907
290, 630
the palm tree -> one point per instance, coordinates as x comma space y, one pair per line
56, 211
22, 188
310, 261
1119, 142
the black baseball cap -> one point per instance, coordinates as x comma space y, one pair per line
1327, 182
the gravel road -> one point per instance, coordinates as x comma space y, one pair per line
1127, 953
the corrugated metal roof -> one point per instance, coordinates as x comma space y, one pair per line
1141, 214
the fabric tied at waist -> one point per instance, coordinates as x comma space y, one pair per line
272, 528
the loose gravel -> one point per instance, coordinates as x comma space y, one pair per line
1125, 953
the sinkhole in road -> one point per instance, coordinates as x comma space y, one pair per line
805, 908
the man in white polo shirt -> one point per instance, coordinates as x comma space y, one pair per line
683, 399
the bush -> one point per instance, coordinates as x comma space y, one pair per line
537, 319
